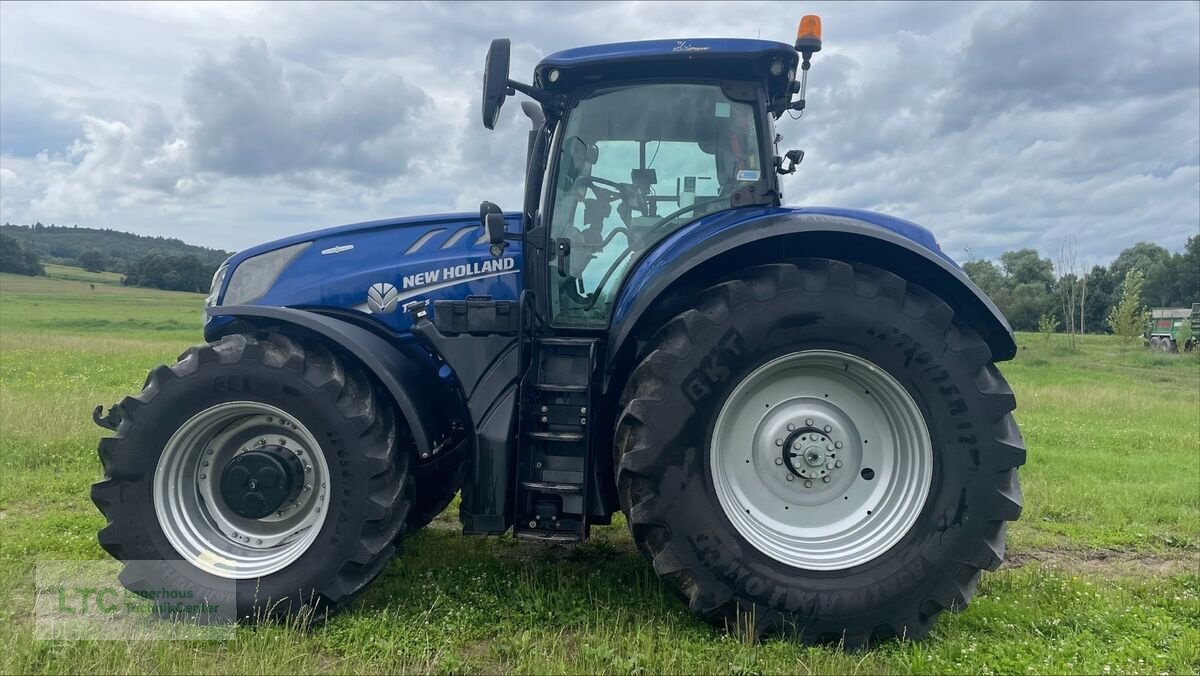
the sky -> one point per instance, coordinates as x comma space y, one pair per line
996, 126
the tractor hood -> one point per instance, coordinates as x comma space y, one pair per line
372, 268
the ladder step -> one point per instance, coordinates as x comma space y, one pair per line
556, 436
547, 536
549, 387
573, 342
551, 487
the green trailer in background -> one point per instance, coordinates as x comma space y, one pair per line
1171, 328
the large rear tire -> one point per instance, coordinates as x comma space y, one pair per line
889, 531
263, 474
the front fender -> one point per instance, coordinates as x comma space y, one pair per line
402, 376
714, 247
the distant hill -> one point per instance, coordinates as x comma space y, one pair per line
120, 250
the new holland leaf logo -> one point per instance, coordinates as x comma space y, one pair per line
382, 298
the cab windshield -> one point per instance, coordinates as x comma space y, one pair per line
637, 163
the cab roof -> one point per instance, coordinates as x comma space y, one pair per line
707, 58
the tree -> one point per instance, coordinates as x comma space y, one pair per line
1152, 261
1070, 287
17, 259
1129, 317
1101, 289
93, 260
1025, 266
986, 276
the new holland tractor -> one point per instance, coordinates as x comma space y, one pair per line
797, 409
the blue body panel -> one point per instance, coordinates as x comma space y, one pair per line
416, 255
703, 58
657, 49
693, 235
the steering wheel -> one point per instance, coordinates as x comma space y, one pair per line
626, 192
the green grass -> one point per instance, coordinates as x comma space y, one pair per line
1104, 571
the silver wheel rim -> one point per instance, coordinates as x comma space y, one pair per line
206, 532
857, 467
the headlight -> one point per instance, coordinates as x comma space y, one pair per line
214, 289
253, 277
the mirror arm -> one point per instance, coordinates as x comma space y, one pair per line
549, 101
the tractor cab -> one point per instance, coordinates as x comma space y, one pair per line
633, 140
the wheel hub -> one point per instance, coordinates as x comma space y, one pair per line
810, 453
258, 482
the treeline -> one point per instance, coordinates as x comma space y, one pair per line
159, 262
1031, 289
118, 251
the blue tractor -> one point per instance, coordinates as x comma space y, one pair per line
797, 410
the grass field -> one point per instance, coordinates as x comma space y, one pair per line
1103, 572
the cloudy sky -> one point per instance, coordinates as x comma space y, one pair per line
996, 125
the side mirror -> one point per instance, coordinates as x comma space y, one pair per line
495, 80
492, 219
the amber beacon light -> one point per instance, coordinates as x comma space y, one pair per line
808, 35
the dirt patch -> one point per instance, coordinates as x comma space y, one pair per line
1108, 562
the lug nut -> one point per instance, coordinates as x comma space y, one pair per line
789, 477
308, 468
828, 428
825, 479
797, 446
838, 463
808, 421
829, 447
807, 483
545, 409
210, 451
791, 427
779, 442
204, 464
261, 442
583, 421
282, 441
837, 444
533, 524
829, 466
582, 409
203, 476
545, 419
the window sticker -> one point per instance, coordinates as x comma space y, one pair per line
748, 175
722, 109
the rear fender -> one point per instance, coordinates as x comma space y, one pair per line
698, 255
413, 386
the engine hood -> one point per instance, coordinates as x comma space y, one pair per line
375, 267
349, 229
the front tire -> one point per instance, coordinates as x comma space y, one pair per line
806, 569
257, 473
